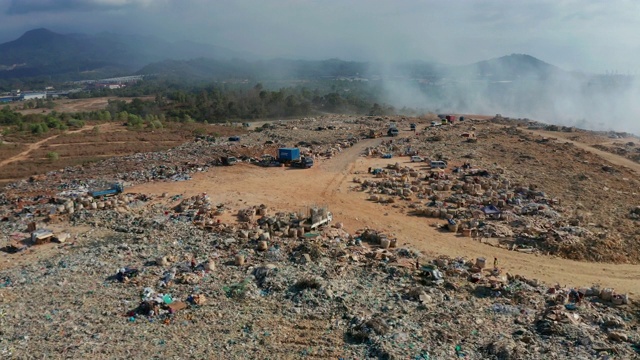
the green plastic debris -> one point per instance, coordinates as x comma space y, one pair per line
236, 289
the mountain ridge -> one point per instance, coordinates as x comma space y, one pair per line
42, 52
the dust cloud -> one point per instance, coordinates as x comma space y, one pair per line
518, 86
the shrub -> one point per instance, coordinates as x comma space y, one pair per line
39, 128
75, 123
52, 156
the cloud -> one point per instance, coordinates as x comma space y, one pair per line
22, 7
588, 35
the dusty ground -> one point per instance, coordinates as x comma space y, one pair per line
594, 144
75, 105
70, 304
330, 183
81, 146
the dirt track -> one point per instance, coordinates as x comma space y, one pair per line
330, 182
37, 145
612, 158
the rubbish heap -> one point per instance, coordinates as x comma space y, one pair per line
149, 289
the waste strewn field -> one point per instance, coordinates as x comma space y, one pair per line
20, 158
211, 261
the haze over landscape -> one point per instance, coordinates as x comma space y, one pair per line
591, 36
579, 68
388, 35
326, 179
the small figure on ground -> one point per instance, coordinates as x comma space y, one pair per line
495, 262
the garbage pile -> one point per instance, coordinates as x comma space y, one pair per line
149, 289
167, 278
181, 162
480, 203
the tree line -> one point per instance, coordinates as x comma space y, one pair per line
215, 103
38, 123
205, 103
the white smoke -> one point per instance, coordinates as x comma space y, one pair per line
594, 102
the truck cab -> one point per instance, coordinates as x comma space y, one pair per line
304, 162
307, 161
393, 132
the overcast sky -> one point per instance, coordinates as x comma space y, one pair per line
587, 35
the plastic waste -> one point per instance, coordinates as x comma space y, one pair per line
167, 299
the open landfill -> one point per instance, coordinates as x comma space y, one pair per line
472, 239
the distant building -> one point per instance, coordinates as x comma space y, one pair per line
108, 86
33, 96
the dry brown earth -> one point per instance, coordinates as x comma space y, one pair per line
76, 147
330, 184
76, 105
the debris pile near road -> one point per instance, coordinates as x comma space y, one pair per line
483, 204
165, 276
490, 200
364, 293
179, 163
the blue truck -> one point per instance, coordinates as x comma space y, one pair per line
113, 190
287, 155
291, 156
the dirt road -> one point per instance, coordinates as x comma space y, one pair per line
610, 157
330, 183
37, 145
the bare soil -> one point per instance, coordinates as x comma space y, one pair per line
330, 183
82, 146
76, 105
551, 165
348, 298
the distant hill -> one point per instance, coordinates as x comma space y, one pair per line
42, 52
276, 69
506, 68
